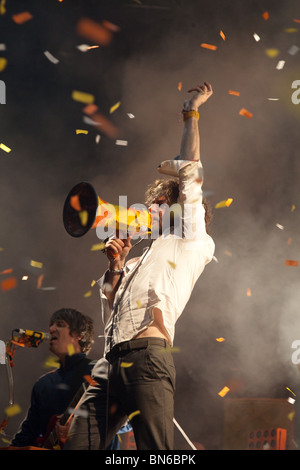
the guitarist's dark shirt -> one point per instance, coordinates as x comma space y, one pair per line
51, 395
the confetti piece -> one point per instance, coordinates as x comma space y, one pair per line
84, 217
222, 35
266, 15
40, 281
5, 148
98, 246
126, 364
220, 340
246, 113
138, 304
132, 415
88, 294
173, 265
225, 203
51, 57
297, 21
75, 203
7, 271
256, 37
22, 17
209, 46
105, 125
235, 93
227, 253
280, 226
90, 109
130, 115
82, 97
93, 283
78, 412
290, 262
287, 388
24, 278
290, 30
13, 410
90, 380
81, 131
292, 413
249, 293
224, 391
114, 107
179, 86
280, 64
97, 33
9, 284
272, 53
124, 143
36, 264
293, 208
51, 362
2, 7
293, 50
71, 349
3, 63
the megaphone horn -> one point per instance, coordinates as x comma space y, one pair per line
84, 209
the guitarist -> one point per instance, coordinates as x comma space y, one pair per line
71, 340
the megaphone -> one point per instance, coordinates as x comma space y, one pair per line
84, 209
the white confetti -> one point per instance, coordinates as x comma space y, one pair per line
51, 57
280, 64
121, 142
293, 50
256, 37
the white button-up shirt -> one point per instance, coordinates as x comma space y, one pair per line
165, 275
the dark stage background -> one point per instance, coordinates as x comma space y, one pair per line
254, 161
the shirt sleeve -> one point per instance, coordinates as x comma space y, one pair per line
190, 175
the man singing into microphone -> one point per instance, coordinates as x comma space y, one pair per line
71, 338
141, 302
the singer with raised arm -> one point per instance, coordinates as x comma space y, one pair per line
141, 300
71, 338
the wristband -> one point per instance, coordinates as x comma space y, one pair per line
116, 271
188, 114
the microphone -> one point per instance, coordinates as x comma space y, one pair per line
34, 336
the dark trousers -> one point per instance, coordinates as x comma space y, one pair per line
141, 386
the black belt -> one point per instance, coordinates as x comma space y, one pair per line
134, 344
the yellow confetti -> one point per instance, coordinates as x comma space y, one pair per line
3, 63
83, 97
132, 415
88, 294
225, 203
173, 265
36, 264
290, 30
220, 340
93, 283
291, 415
126, 364
138, 304
81, 131
5, 148
84, 217
287, 388
114, 107
293, 208
272, 53
2, 7
71, 349
98, 246
51, 362
13, 410
224, 391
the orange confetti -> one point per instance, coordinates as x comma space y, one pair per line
224, 391
95, 32
209, 46
222, 35
249, 293
297, 21
290, 262
22, 17
90, 109
7, 271
90, 380
220, 340
9, 283
75, 203
236, 93
105, 125
266, 15
246, 113
179, 87
40, 281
